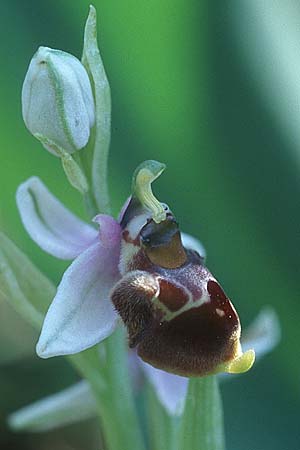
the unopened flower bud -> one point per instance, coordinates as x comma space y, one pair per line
57, 100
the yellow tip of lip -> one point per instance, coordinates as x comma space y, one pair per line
242, 363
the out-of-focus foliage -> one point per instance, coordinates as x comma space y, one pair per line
183, 94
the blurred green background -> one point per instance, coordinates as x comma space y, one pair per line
211, 89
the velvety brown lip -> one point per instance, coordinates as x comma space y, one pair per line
172, 296
163, 278
194, 343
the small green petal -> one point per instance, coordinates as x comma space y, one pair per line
72, 170
142, 179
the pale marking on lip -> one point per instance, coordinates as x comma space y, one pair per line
191, 303
220, 312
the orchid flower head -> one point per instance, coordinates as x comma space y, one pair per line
177, 315
141, 269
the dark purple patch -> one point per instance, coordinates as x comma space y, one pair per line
192, 275
129, 240
193, 343
140, 261
172, 296
216, 292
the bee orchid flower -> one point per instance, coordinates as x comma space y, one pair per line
141, 269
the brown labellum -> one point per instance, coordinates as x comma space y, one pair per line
176, 313
194, 342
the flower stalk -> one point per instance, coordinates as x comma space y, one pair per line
202, 422
113, 392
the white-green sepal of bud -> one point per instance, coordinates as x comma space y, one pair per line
57, 99
142, 178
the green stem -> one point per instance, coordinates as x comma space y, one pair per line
202, 421
122, 424
88, 196
89, 204
109, 379
163, 428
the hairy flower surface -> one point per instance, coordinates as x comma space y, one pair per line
176, 313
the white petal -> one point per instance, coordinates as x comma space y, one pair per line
71, 405
81, 313
170, 389
52, 226
191, 243
263, 334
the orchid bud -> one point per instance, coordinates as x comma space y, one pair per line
57, 101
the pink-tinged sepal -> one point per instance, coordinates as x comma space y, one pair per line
81, 314
50, 224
